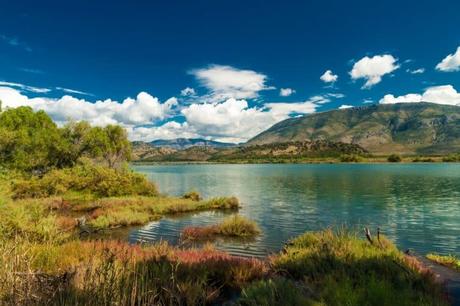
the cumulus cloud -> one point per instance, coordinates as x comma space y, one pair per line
372, 69
145, 109
445, 94
286, 92
329, 77
169, 130
345, 106
188, 92
416, 71
450, 63
228, 82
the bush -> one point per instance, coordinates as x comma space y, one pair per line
277, 291
350, 158
452, 158
192, 195
236, 226
394, 158
86, 178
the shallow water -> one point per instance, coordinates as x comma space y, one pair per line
415, 205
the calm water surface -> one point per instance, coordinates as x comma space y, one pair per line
415, 205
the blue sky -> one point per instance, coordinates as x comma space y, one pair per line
234, 56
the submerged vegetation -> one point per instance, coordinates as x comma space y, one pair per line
445, 260
234, 226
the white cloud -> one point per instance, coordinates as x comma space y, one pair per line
145, 109
25, 87
416, 71
409, 98
373, 68
169, 130
368, 101
228, 82
344, 106
188, 91
450, 63
329, 77
74, 91
445, 94
286, 92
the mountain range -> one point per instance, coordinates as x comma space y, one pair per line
405, 128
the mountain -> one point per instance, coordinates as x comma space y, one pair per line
184, 143
410, 128
279, 152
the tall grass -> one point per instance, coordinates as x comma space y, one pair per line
234, 226
451, 261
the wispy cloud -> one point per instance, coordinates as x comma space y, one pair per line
74, 91
31, 70
25, 87
15, 42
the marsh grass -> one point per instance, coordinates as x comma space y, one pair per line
344, 269
235, 226
450, 261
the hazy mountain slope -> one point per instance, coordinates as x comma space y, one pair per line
404, 128
184, 143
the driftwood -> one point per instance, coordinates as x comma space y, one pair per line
368, 235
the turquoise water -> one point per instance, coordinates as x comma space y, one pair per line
415, 205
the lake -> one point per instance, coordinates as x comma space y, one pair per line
415, 205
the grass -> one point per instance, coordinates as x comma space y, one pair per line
235, 226
44, 262
342, 269
450, 261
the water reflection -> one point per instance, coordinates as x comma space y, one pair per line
416, 205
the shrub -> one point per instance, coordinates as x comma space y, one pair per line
446, 260
238, 226
235, 226
343, 269
86, 178
192, 195
273, 292
452, 158
350, 158
394, 158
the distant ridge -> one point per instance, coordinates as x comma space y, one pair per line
420, 128
185, 143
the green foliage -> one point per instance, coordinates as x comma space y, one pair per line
350, 158
85, 177
452, 158
274, 292
238, 226
235, 226
394, 158
192, 195
446, 260
31, 142
343, 269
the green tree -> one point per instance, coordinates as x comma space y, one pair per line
29, 140
109, 143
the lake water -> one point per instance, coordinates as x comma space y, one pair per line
415, 205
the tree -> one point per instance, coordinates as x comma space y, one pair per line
109, 143
29, 140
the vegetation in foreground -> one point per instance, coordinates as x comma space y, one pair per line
50, 176
450, 261
234, 226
